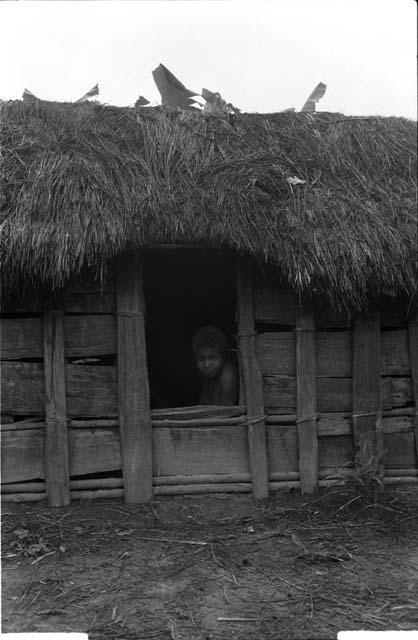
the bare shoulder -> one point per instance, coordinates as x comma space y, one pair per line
229, 379
228, 385
229, 373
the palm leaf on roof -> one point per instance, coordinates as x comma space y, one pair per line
173, 92
316, 95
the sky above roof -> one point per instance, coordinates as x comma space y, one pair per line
262, 56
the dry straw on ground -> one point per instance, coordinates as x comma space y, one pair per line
214, 567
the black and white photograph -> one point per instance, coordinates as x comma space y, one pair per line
209, 319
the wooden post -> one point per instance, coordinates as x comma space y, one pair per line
253, 383
134, 402
413, 355
306, 398
367, 403
57, 472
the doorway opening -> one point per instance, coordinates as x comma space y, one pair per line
184, 290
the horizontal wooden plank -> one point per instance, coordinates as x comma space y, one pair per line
93, 451
276, 417
340, 424
276, 353
185, 451
282, 449
21, 338
23, 487
398, 424
90, 451
334, 354
274, 306
91, 391
189, 489
394, 355
399, 450
22, 455
335, 451
396, 392
90, 335
280, 392
22, 388
200, 422
200, 411
23, 425
94, 423
406, 471
23, 497
334, 425
334, 394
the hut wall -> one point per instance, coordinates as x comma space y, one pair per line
91, 386
196, 450
276, 320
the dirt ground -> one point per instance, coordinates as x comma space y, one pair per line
213, 567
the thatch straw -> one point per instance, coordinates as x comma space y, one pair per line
82, 183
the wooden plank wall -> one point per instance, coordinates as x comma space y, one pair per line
276, 319
211, 456
397, 378
57, 368
276, 323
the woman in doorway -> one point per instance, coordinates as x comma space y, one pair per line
219, 376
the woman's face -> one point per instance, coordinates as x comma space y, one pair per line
209, 361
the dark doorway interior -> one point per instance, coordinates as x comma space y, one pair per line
184, 290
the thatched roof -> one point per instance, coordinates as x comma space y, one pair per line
82, 183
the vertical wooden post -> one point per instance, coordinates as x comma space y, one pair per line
413, 355
306, 398
134, 402
253, 383
57, 472
367, 402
